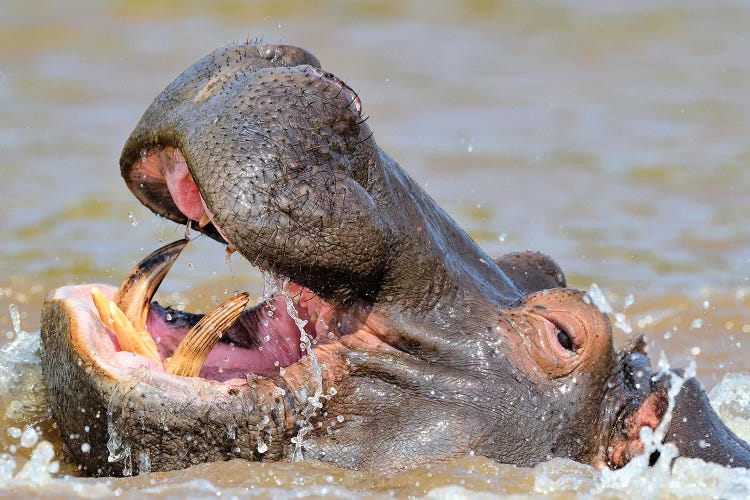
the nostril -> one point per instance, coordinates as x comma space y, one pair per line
565, 341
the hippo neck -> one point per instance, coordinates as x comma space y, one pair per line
430, 249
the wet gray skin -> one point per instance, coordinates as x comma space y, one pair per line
434, 349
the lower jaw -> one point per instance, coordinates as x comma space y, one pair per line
120, 414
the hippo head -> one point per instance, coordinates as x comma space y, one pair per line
392, 339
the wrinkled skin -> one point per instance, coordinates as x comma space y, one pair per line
434, 349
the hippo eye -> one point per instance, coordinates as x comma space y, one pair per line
565, 340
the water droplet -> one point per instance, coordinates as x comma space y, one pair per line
29, 437
599, 300
15, 317
133, 220
628, 301
85, 447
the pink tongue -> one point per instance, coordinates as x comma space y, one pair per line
183, 190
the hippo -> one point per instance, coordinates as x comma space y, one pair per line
389, 340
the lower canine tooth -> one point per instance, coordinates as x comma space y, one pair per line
130, 338
192, 352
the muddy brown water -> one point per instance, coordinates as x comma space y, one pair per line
613, 138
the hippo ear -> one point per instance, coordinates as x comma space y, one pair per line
628, 444
531, 271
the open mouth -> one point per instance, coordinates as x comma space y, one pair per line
230, 342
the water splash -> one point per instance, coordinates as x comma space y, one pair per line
29, 437
313, 403
15, 318
118, 448
21, 374
731, 401
597, 297
652, 480
38, 470
144, 463
657, 435
262, 446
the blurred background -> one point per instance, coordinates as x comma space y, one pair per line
613, 138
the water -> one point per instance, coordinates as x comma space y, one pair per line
311, 404
610, 136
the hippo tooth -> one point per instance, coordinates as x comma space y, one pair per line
135, 294
192, 352
130, 338
204, 220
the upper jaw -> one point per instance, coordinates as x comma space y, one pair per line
162, 125
146, 179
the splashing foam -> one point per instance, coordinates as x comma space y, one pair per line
313, 403
598, 298
38, 470
118, 448
731, 401
21, 374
